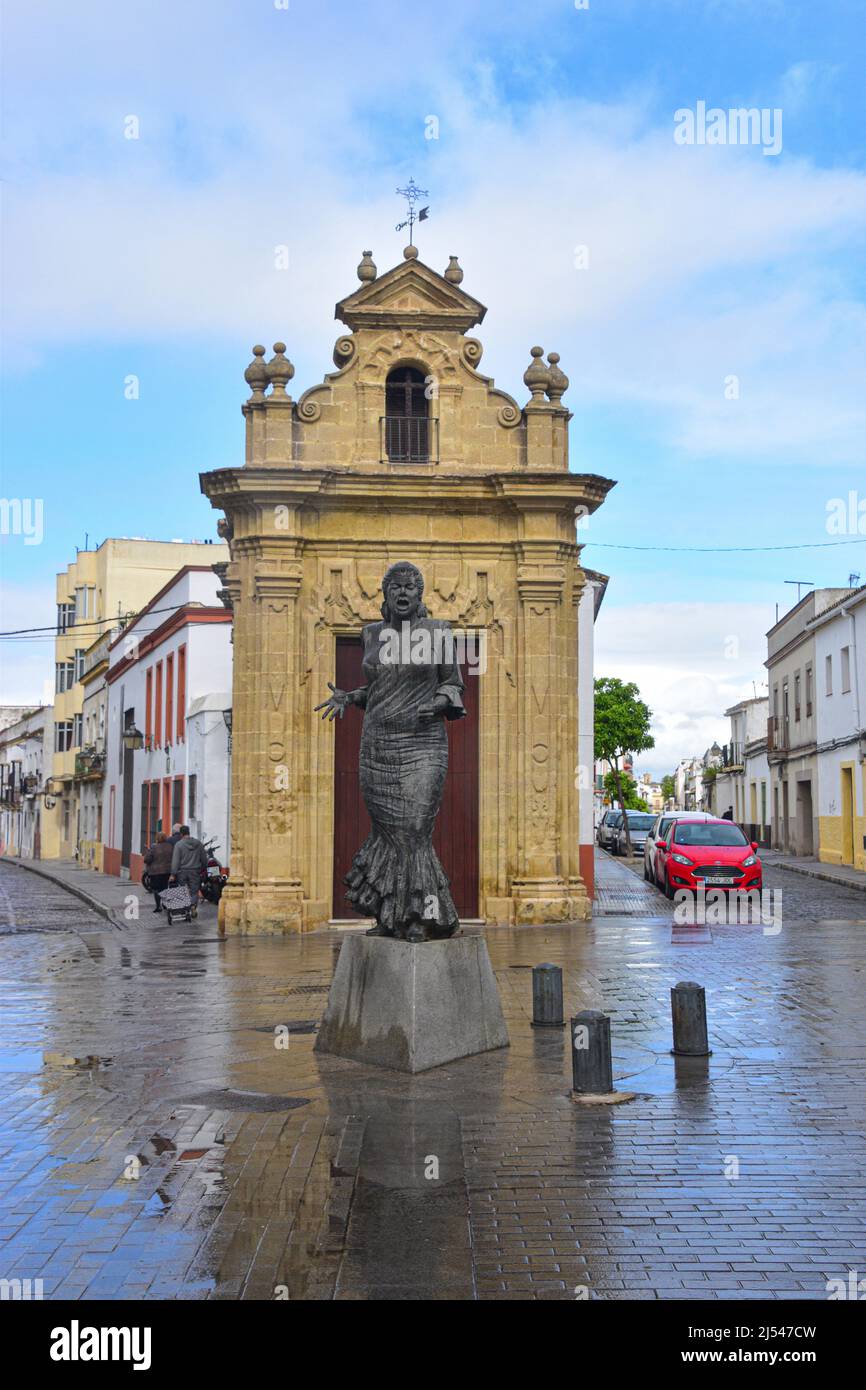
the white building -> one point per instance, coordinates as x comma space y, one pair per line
26, 750
839, 635
792, 725
681, 779
168, 681
741, 786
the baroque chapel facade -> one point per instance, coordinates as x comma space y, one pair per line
408, 451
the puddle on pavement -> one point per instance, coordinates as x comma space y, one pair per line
157, 1204
670, 1074
23, 1059
254, 1101
294, 1025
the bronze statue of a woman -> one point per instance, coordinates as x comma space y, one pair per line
413, 685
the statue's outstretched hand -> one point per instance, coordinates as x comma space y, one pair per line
336, 703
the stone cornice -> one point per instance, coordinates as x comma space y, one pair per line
240, 489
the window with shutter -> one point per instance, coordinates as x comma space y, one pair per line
407, 417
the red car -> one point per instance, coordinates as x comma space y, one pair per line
708, 854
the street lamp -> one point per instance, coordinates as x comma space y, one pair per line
133, 739
227, 720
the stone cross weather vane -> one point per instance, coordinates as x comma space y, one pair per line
412, 193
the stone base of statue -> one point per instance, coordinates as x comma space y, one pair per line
412, 1007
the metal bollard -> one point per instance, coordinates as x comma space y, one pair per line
591, 1065
689, 1019
547, 996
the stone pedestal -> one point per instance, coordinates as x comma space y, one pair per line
412, 1007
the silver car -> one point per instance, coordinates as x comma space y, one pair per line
639, 825
607, 828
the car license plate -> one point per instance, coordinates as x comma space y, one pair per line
213, 871
721, 879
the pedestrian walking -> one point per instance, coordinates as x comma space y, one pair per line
158, 861
188, 859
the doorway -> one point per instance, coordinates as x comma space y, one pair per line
805, 839
847, 815
126, 828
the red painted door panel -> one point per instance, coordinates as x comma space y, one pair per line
455, 838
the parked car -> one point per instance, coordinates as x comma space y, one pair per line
607, 828
709, 854
639, 825
652, 868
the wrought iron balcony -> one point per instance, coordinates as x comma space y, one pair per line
408, 439
89, 764
732, 755
777, 734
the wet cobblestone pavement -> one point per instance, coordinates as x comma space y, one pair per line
266, 1171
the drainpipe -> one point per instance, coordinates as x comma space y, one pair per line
856, 686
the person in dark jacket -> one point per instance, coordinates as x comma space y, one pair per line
188, 858
158, 861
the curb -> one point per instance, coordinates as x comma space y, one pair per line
817, 873
76, 892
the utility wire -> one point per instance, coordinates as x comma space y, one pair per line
83, 629
720, 549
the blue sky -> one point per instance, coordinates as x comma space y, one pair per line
261, 126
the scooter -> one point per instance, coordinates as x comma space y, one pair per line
214, 877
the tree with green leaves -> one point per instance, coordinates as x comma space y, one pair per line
631, 800
622, 723
669, 788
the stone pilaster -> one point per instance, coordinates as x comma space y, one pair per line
545, 889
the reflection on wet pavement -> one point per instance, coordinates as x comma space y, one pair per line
186, 1142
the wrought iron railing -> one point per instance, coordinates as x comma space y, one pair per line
732, 755
777, 733
409, 439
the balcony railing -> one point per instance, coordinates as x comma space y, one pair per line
408, 439
732, 755
777, 734
89, 763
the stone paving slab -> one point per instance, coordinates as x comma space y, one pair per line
200, 1149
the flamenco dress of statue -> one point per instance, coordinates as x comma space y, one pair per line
396, 876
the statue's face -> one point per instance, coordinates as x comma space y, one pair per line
404, 596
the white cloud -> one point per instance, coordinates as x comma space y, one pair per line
26, 663
806, 83
261, 128
691, 662
703, 263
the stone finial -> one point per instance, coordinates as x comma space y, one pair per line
410, 253
256, 374
280, 370
454, 273
537, 375
366, 269
557, 381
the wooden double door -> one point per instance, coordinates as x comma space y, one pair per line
455, 838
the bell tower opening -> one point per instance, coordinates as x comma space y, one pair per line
407, 417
